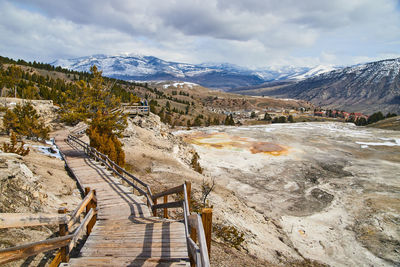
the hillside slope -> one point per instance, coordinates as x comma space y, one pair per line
388, 124
365, 88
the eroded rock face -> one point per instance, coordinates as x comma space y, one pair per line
31, 184
19, 192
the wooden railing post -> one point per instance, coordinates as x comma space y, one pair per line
63, 228
206, 217
193, 236
193, 232
94, 207
165, 209
91, 205
155, 211
188, 192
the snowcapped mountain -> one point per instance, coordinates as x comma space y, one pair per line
366, 87
148, 68
320, 69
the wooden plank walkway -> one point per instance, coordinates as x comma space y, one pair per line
125, 233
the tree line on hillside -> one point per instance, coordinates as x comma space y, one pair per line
15, 82
93, 101
280, 119
375, 117
38, 65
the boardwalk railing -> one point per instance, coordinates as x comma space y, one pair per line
133, 109
193, 222
65, 242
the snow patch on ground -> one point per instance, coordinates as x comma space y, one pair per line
394, 142
180, 85
50, 150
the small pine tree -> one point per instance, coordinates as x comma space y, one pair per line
12, 147
361, 121
208, 122
290, 119
267, 117
216, 121
195, 163
229, 120
197, 121
377, 116
282, 119
25, 121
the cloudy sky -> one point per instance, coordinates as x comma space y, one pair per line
253, 33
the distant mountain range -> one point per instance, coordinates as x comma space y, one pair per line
368, 88
361, 88
216, 76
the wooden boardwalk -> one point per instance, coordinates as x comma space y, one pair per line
125, 233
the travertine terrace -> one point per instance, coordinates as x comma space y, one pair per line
333, 188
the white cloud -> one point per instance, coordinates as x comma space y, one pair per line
252, 32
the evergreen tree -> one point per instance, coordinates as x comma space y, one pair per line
12, 146
377, 116
216, 121
195, 163
208, 122
389, 115
197, 121
168, 119
229, 120
290, 119
267, 117
282, 119
25, 121
361, 121
97, 103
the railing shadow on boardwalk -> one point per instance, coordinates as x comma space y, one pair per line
166, 247
102, 172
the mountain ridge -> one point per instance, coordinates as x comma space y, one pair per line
223, 76
369, 87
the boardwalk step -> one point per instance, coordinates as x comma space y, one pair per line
126, 261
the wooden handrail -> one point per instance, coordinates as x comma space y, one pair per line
81, 227
137, 109
175, 204
24, 251
10, 220
105, 159
91, 151
194, 250
174, 190
78, 211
